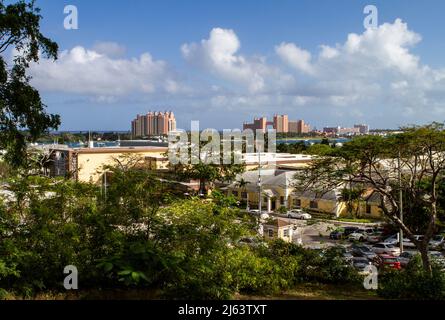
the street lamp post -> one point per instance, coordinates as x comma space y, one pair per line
400, 203
260, 198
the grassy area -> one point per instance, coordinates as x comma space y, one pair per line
306, 291
311, 291
328, 216
359, 220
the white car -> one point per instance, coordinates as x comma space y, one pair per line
437, 242
394, 239
374, 237
357, 236
407, 243
298, 214
386, 248
262, 216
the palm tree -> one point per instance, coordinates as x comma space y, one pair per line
352, 197
242, 185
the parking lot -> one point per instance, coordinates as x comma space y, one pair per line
315, 234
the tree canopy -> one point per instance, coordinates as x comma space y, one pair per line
22, 113
417, 156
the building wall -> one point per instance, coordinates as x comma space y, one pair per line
153, 123
337, 208
278, 233
89, 165
298, 126
258, 124
281, 123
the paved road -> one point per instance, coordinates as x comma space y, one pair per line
314, 234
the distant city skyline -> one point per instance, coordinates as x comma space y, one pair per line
224, 62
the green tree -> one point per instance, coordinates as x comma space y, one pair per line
21, 108
374, 162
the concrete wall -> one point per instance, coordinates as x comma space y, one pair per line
89, 165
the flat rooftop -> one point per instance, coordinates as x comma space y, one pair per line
113, 149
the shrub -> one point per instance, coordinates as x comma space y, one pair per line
413, 283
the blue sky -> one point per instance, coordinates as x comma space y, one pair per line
223, 62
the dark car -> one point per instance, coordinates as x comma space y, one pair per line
337, 234
360, 263
349, 230
363, 251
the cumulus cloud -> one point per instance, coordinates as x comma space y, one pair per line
369, 75
219, 56
374, 74
294, 56
90, 72
110, 49
376, 68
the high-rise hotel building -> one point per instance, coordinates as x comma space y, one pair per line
153, 124
280, 123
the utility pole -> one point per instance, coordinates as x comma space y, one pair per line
400, 202
260, 198
105, 185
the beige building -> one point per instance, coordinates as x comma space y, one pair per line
299, 126
153, 124
278, 190
278, 229
86, 164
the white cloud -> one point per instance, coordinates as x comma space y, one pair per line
328, 52
110, 49
371, 75
88, 72
295, 57
219, 55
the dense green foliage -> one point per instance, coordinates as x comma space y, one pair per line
22, 113
138, 234
411, 163
413, 283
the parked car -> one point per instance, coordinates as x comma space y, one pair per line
262, 216
394, 239
386, 248
349, 230
407, 243
437, 242
360, 250
405, 257
374, 237
358, 235
360, 263
370, 230
390, 261
298, 214
337, 234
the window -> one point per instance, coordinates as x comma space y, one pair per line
313, 204
368, 208
244, 195
265, 199
235, 193
286, 233
282, 200
270, 232
297, 203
